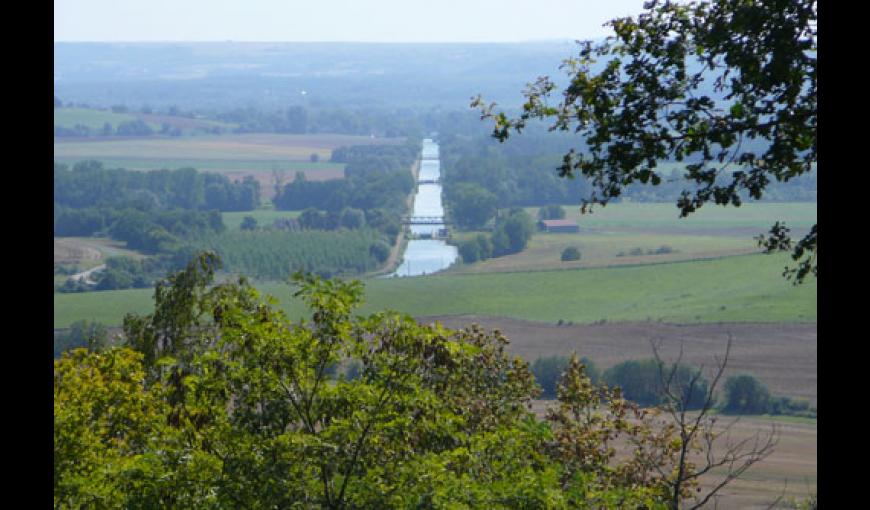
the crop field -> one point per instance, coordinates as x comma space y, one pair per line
264, 217
94, 119
241, 147
746, 288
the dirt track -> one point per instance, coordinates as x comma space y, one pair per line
782, 356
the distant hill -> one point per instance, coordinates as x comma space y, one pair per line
230, 74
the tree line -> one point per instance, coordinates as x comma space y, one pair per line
89, 184
640, 381
377, 181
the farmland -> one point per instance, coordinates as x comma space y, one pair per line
242, 147
263, 156
733, 289
264, 217
93, 119
617, 234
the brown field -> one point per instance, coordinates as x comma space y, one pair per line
251, 147
782, 356
790, 472
87, 252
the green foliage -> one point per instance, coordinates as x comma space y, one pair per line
86, 334
248, 223
570, 253
219, 401
642, 382
512, 234
551, 212
548, 372
706, 84
744, 394
477, 248
277, 254
89, 185
471, 206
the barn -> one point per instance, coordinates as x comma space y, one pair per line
559, 226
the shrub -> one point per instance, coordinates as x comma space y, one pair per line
548, 371
744, 394
570, 253
641, 382
248, 223
551, 212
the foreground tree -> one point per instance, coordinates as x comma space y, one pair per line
728, 87
219, 401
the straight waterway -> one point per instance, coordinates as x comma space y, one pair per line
427, 256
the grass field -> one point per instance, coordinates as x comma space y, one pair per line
607, 237
734, 289
94, 119
264, 217
756, 216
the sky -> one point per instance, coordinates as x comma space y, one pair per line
336, 20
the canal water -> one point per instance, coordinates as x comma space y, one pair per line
427, 256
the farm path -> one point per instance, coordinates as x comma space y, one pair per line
85, 276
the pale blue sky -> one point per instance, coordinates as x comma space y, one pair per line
336, 20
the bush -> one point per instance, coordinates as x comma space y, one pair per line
744, 394
548, 372
570, 253
551, 212
469, 251
641, 382
380, 250
248, 223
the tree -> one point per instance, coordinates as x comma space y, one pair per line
744, 394
727, 87
698, 433
512, 234
471, 205
551, 212
548, 372
87, 334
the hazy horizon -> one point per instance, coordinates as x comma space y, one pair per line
340, 21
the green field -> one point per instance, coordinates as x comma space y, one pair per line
608, 236
264, 217
665, 216
734, 289
94, 119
